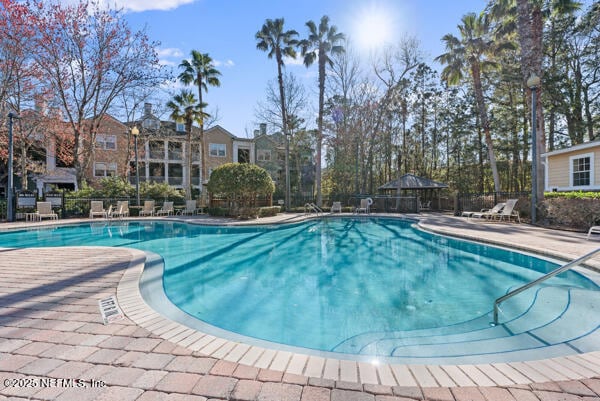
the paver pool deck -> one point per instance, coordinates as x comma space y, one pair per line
53, 344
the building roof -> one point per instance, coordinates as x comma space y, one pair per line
411, 181
581, 146
217, 127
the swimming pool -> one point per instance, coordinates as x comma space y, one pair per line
371, 286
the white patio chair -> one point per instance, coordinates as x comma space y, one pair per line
166, 209
44, 211
593, 230
190, 208
148, 209
365, 206
97, 209
488, 213
509, 211
122, 209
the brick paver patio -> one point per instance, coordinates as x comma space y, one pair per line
53, 344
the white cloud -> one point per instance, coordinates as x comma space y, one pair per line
145, 5
293, 61
169, 52
227, 64
136, 5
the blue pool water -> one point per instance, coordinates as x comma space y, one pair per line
320, 283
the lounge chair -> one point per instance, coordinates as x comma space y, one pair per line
365, 206
122, 209
488, 213
148, 209
509, 211
425, 206
97, 209
190, 208
336, 207
44, 211
166, 209
593, 230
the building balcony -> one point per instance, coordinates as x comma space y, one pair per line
156, 178
175, 180
175, 155
157, 154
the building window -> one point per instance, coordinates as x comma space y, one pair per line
106, 142
105, 169
151, 123
180, 127
157, 149
216, 149
175, 151
195, 152
582, 174
263, 155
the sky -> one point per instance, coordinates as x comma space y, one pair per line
226, 30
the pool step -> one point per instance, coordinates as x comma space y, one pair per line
568, 326
537, 309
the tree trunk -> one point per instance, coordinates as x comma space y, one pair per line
284, 126
188, 161
530, 29
589, 119
322, 59
203, 177
485, 124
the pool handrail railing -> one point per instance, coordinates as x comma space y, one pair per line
545, 277
311, 207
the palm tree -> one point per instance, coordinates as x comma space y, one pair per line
201, 72
530, 22
322, 42
279, 43
472, 53
184, 108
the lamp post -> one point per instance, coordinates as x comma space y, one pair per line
533, 83
10, 215
136, 132
287, 172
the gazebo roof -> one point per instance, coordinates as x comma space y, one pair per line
411, 181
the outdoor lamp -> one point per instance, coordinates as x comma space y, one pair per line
136, 132
533, 83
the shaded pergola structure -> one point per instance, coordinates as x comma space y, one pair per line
424, 189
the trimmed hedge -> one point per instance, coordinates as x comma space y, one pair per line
269, 211
217, 211
572, 195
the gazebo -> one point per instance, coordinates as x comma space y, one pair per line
420, 187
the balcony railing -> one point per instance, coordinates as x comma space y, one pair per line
156, 178
175, 180
157, 154
175, 155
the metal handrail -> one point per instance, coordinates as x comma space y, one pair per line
539, 280
312, 207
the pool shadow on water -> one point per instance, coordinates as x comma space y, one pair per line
231, 247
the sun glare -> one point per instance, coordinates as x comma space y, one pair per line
373, 27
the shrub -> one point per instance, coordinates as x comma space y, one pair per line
247, 213
160, 190
269, 211
240, 184
572, 195
217, 211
